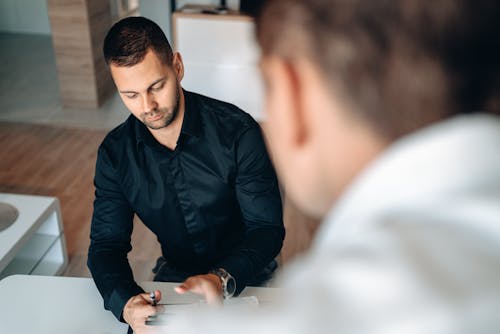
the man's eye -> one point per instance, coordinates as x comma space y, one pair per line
131, 96
157, 88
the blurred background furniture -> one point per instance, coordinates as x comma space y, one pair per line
220, 55
34, 244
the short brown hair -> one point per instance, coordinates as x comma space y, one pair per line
128, 41
402, 64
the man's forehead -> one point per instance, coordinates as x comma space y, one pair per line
139, 76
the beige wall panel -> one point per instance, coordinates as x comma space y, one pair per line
78, 30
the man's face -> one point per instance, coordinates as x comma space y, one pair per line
150, 89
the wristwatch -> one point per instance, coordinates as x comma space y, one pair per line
228, 282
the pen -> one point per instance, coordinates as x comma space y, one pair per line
153, 298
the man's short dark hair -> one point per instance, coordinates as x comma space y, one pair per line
402, 64
128, 41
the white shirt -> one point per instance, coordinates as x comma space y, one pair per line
413, 246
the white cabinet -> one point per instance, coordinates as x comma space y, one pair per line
220, 58
34, 244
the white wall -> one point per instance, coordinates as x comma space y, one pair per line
159, 12
24, 16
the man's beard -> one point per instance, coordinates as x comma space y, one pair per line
169, 115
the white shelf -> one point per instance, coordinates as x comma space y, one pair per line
34, 244
54, 261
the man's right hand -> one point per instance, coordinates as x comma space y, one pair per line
137, 309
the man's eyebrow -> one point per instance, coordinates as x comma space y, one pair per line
128, 92
156, 81
151, 85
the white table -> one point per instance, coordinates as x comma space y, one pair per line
62, 305
34, 244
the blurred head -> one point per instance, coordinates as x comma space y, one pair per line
345, 78
145, 70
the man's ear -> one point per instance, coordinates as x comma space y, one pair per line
297, 114
178, 66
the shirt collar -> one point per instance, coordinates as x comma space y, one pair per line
419, 171
191, 124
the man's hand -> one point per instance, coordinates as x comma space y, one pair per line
137, 309
209, 285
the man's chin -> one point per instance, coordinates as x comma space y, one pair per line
159, 124
156, 126
163, 122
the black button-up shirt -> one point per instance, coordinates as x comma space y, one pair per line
212, 202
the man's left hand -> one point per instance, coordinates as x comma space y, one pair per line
209, 285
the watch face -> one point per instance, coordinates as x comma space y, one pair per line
228, 282
230, 286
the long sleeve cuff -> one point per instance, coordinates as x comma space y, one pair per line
119, 297
259, 249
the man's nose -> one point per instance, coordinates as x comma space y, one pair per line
149, 103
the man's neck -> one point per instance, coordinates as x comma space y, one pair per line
169, 135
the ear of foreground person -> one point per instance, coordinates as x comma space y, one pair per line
382, 117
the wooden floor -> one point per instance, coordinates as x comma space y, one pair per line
56, 161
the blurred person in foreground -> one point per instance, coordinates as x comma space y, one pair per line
382, 118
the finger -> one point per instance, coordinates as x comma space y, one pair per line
184, 286
142, 312
137, 300
192, 284
143, 298
154, 297
202, 287
141, 305
136, 313
157, 295
140, 302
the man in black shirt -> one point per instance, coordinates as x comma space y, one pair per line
194, 170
